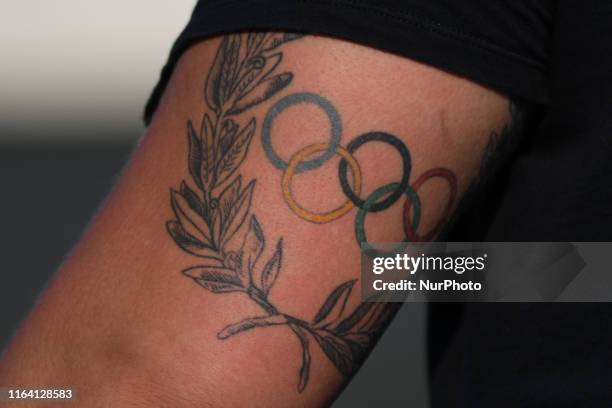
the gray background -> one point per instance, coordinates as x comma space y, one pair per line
74, 78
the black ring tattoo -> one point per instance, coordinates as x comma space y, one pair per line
403, 184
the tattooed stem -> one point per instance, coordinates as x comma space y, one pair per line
257, 296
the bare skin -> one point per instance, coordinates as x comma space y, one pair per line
126, 322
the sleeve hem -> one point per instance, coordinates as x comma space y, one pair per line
397, 32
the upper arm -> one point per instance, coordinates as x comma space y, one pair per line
264, 168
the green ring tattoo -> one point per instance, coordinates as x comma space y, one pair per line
372, 199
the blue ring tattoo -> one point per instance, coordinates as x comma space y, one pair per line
290, 100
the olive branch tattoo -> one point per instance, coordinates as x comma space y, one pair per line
210, 215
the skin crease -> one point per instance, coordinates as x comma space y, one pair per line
124, 327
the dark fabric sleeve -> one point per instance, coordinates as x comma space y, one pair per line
499, 43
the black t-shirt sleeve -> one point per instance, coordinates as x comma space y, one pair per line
503, 44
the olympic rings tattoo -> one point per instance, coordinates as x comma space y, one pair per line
286, 102
409, 227
293, 164
406, 165
300, 162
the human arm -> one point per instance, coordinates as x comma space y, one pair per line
147, 314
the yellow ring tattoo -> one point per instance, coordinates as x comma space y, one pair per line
295, 160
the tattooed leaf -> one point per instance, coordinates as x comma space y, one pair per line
236, 153
194, 159
259, 68
229, 70
336, 302
248, 80
279, 39
254, 41
253, 245
360, 339
382, 320
217, 227
337, 350
216, 279
269, 63
262, 92
238, 213
194, 201
272, 268
232, 261
347, 324
190, 220
221, 74
227, 137
304, 372
208, 151
189, 243
213, 80
360, 345
368, 319
228, 197
251, 323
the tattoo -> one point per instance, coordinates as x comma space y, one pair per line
217, 210
502, 144
473, 211
380, 200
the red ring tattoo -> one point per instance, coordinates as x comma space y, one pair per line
447, 175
